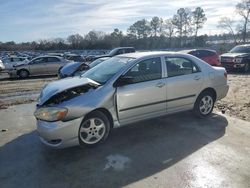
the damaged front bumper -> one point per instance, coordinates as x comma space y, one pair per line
59, 134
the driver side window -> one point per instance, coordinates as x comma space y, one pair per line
146, 70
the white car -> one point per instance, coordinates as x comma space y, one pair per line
9, 62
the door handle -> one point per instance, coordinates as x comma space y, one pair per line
197, 78
160, 84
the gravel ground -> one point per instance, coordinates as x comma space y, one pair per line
13, 92
237, 101
236, 104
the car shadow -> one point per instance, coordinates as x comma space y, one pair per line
131, 153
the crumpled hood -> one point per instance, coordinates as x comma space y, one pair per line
234, 55
56, 87
20, 64
70, 68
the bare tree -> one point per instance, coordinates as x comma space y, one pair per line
168, 29
227, 24
75, 40
243, 9
182, 22
156, 25
199, 18
140, 29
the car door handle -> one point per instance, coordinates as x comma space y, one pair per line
197, 78
160, 84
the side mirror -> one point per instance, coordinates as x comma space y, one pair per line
125, 80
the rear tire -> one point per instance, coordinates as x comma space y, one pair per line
204, 104
23, 73
94, 129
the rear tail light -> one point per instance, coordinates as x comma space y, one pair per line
225, 74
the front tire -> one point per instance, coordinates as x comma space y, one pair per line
94, 129
23, 73
204, 104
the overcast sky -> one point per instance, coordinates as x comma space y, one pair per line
27, 20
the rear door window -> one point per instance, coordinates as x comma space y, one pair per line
205, 53
52, 59
129, 50
177, 66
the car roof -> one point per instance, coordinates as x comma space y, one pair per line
137, 55
14, 56
244, 45
190, 50
118, 48
103, 58
49, 56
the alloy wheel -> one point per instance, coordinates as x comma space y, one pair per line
92, 130
206, 105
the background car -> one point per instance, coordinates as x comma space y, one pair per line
114, 52
209, 56
9, 62
125, 89
44, 65
74, 57
2, 67
237, 58
77, 68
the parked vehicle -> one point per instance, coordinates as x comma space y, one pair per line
44, 65
125, 89
115, 51
237, 58
209, 56
77, 68
2, 67
55, 54
74, 57
9, 62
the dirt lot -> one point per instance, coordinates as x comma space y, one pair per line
237, 101
236, 104
20, 91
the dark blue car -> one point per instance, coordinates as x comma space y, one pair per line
77, 68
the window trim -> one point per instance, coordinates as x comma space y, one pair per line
195, 64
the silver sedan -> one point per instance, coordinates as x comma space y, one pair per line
44, 65
123, 90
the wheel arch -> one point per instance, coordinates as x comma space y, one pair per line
105, 112
23, 69
210, 90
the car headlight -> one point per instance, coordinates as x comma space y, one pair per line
238, 60
51, 113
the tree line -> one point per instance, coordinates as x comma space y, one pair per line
179, 31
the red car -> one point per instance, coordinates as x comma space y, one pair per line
209, 56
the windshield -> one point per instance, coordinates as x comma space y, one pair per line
104, 71
96, 62
240, 49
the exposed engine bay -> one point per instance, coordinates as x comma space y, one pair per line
69, 94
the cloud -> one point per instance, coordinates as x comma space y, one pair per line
28, 20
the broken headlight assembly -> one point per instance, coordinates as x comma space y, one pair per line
50, 113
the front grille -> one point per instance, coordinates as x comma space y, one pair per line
227, 59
